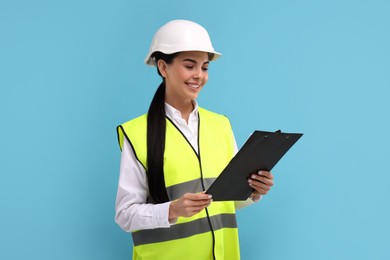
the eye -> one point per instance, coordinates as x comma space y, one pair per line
205, 68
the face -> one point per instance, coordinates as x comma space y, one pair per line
185, 76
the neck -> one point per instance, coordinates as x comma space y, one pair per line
185, 108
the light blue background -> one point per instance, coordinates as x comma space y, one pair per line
70, 71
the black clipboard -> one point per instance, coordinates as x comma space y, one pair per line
262, 151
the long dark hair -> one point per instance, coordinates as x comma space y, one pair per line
156, 138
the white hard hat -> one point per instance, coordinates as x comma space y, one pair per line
180, 35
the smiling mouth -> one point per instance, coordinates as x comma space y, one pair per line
193, 86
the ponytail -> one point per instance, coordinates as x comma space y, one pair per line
156, 145
156, 129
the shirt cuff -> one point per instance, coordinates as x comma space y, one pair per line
162, 215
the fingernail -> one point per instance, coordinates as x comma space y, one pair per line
253, 176
249, 180
209, 196
260, 172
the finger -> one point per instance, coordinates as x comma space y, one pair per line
259, 185
260, 191
199, 203
266, 174
198, 196
200, 207
262, 179
196, 209
268, 182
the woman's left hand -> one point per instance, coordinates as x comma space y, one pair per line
261, 182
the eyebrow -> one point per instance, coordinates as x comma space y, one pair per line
194, 61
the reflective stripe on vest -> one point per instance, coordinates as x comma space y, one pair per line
185, 171
183, 230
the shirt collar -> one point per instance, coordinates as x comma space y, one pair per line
173, 113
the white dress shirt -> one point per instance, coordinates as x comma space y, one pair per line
132, 211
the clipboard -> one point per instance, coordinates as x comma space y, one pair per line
262, 151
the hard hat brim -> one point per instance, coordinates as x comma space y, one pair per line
149, 60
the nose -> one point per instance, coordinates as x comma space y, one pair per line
198, 73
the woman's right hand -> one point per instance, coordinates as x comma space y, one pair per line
188, 205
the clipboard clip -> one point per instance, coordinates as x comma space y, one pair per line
276, 132
279, 131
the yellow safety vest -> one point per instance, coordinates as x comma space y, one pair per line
212, 231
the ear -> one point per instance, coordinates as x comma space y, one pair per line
162, 67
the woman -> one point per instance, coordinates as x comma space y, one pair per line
172, 154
